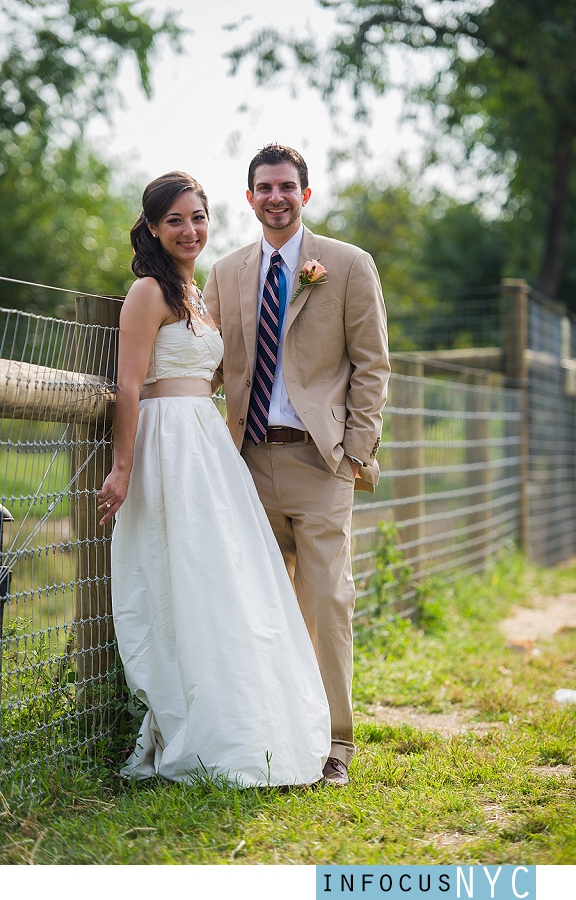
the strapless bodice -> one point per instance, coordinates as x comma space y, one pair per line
182, 352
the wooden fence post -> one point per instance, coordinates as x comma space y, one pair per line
514, 295
91, 462
409, 431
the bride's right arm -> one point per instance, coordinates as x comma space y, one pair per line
143, 313
212, 300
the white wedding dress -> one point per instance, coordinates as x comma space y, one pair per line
208, 626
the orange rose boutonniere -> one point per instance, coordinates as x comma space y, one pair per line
311, 273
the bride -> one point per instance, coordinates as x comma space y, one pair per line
208, 626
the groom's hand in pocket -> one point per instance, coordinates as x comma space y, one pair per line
354, 466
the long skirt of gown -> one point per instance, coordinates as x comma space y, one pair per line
208, 626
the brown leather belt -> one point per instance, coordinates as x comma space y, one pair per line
281, 435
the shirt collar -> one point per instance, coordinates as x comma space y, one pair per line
290, 251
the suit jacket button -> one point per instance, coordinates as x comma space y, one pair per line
248, 382
241, 422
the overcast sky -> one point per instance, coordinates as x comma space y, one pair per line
210, 125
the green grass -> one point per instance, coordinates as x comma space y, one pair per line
34, 474
35, 467
415, 796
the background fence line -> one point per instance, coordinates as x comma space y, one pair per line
473, 458
450, 483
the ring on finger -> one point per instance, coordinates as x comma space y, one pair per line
107, 506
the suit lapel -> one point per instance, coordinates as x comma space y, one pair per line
248, 279
308, 250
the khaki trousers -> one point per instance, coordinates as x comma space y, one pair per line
310, 510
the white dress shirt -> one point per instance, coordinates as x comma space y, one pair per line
281, 410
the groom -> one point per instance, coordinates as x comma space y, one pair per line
305, 371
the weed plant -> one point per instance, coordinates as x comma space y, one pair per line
45, 721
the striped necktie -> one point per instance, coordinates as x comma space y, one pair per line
267, 353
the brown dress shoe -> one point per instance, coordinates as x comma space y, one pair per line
335, 771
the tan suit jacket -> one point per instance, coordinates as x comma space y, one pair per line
335, 355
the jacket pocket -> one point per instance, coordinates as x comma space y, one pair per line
318, 310
339, 411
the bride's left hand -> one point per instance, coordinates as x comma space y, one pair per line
112, 495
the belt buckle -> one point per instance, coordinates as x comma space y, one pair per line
274, 428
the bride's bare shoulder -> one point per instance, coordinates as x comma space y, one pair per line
145, 289
145, 297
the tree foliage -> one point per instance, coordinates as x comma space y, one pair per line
62, 225
61, 222
59, 59
505, 82
431, 257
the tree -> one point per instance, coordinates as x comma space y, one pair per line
385, 221
61, 222
59, 58
62, 225
431, 257
505, 82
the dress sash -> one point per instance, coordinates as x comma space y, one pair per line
177, 387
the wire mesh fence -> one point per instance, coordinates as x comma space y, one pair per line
552, 431
449, 461
451, 320
449, 488
453, 489
56, 649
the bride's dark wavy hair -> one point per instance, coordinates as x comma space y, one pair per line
150, 259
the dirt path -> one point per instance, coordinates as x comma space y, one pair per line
522, 629
456, 722
549, 615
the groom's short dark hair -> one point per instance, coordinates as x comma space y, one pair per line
275, 155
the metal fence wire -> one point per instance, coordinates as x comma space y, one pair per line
450, 487
552, 430
57, 650
466, 317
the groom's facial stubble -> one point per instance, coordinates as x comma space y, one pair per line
277, 201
